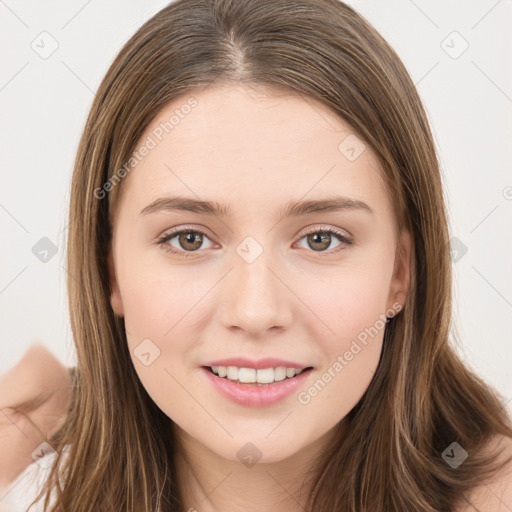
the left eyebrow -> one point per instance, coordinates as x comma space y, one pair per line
334, 203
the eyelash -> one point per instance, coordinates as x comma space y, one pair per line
162, 241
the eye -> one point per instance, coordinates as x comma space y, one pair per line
320, 239
190, 240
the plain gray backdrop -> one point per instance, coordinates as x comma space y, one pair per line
55, 53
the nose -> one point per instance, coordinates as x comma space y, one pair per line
257, 297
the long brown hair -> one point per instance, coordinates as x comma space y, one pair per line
422, 397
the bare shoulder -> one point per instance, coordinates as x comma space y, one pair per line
496, 494
40, 380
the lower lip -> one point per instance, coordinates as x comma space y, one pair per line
254, 395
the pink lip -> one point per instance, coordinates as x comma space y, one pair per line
269, 362
256, 395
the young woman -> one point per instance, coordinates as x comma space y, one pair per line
260, 280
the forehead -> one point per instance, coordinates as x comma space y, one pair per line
246, 146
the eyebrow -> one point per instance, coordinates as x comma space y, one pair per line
335, 203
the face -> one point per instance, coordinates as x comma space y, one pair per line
310, 287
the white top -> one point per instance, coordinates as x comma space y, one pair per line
27, 485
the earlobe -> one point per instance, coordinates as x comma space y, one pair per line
115, 295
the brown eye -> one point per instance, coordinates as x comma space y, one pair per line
191, 240
320, 239
188, 241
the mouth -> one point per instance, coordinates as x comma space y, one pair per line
243, 387
259, 377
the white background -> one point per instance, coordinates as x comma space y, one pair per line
44, 104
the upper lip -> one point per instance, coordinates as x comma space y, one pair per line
268, 362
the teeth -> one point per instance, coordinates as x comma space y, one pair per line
251, 375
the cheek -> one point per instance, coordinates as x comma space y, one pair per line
158, 311
157, 300
350, 301
354, 310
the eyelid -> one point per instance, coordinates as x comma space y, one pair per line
178, 230
311, 229
326, 227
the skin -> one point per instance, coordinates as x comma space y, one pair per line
254, 150
37, 372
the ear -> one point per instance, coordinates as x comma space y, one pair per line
400, 279
115, 295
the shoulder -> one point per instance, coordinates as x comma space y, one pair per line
496, 494
36, 372
34, 399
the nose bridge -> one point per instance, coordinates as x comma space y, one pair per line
257, 297
253, 279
